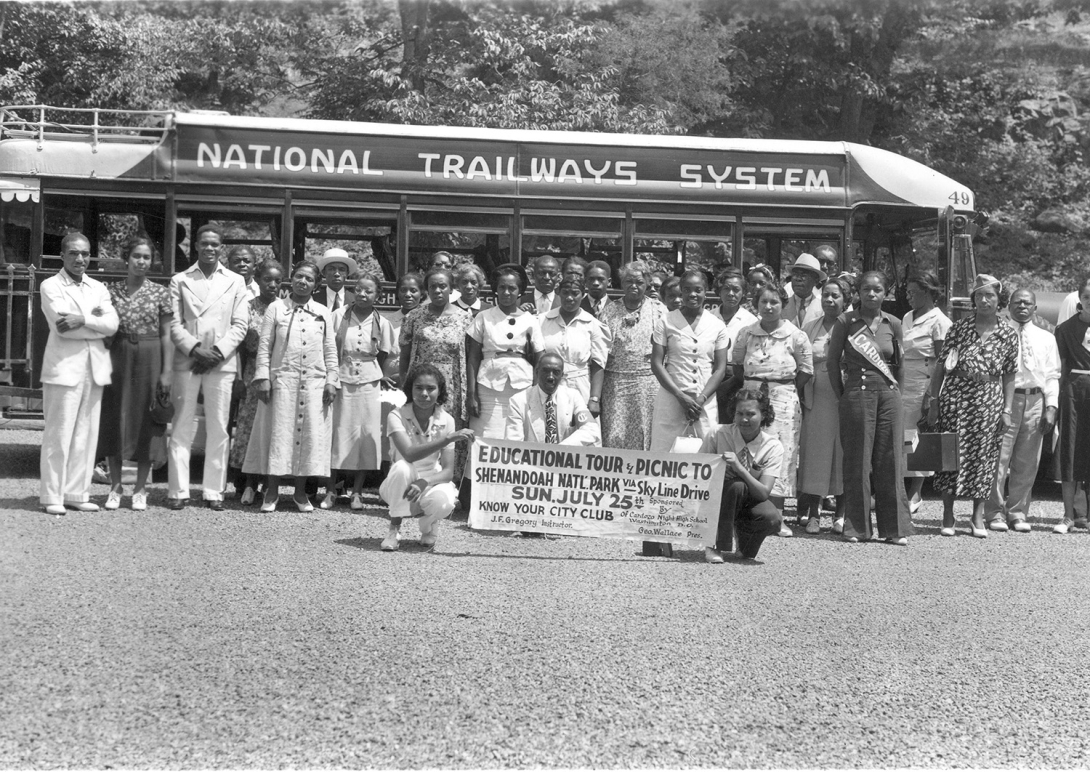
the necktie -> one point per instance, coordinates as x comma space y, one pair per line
336, 301
552, 433
743, 457
1024, 349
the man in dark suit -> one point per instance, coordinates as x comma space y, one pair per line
542, 297
598, 279
336, 266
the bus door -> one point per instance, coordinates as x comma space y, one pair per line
368, 236
589, 235
18, 284
673, 244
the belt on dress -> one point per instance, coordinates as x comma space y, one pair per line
977, 377
133, 337
1033, 390
769, 380
504, 354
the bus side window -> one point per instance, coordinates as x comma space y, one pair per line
108, 223
16, 218
483, 239
373, 246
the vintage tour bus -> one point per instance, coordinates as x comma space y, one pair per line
393, 194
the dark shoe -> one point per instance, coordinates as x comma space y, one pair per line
176, 503
216, 505
1081, 522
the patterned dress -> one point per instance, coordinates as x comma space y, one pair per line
774, 359
629, 387
440, 340
244, 421
972, 409
137, 356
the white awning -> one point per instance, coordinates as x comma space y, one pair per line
20, 189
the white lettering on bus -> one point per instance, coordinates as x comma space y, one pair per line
298, 153
325, 157
258, 150
276, 158
347, 163
771, 172
428, 158
719, 179
511, 171
367, 165
596, 173
574, 173
627, 175
452, 164
690, 176
235, 156
819, 180
791, 179
745, 173
213, 154
478, 167
538, 170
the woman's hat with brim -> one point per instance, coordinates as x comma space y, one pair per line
983, 280
336, 255
807, 262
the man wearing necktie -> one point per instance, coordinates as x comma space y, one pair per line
597, 281
335, 266
550, 412
76, 367
542, 297
1036, 399
805, 304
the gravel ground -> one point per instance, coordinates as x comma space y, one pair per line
199, 639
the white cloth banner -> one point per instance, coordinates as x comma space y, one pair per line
603, 492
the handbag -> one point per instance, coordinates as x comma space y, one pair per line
689, 441
161, 410
935, 451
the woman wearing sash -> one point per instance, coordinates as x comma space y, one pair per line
972, 392
866, 345
365, 341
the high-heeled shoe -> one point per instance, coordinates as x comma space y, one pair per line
247, 496
979, 533
269, 506
304, 505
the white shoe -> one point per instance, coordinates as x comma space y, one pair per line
838, 525
998, 525
329, 500
785, 531
139, 502
113, 500
357, 501
247, 496
1021, 526
712, 555
1062, 527
391, 542
83, 506
55, 509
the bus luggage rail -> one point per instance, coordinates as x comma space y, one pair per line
43, 122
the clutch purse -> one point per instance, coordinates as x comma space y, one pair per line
161, 411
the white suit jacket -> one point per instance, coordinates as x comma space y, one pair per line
68, 355
219, 320
526, 421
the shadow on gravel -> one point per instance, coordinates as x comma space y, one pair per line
20, 461
26, 504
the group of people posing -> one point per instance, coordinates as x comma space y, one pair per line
330, 391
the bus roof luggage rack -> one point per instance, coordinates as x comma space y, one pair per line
43, 122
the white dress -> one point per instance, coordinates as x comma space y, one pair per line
919, 362
357, 411
579, 343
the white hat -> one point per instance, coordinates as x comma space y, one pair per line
807, 262
336, 255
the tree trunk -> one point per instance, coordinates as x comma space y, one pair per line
416, 34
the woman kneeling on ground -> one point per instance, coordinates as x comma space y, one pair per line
753, 461
419, 483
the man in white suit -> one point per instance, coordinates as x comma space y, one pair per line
211, 314
75, 369
551, 412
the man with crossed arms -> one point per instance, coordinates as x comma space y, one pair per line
211, 314
76, 367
